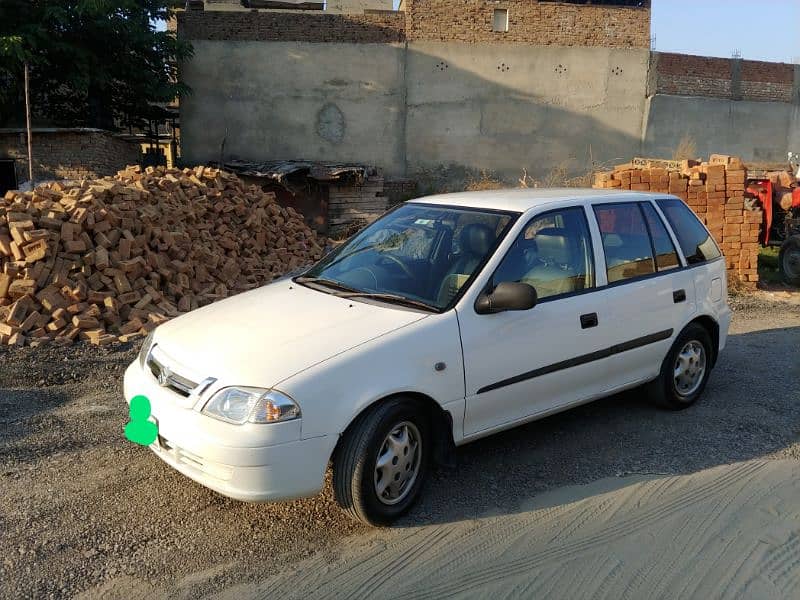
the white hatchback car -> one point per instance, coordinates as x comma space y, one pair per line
450, 318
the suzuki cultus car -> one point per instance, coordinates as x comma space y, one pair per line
448, 319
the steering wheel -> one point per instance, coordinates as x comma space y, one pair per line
403, 266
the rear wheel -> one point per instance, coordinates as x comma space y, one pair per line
789, 260
382, 461
685, 370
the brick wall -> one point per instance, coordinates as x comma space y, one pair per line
399, 190
68, 153
529, 22
686, 75
766, 81
277, 26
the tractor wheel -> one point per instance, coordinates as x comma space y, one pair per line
789, 260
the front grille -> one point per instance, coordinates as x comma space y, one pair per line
166, 378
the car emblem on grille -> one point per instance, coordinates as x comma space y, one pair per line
163, 376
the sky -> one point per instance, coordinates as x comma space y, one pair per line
758, 29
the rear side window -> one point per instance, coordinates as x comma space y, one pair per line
666, 255
697, 245
626, 241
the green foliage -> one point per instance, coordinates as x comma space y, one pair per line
769, 269
92, 62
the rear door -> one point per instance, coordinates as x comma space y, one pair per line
650, 294
701, 255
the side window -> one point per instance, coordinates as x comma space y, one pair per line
697, 245
553, 254
626, 242
666, 256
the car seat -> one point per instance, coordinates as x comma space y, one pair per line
557, 273
475, 240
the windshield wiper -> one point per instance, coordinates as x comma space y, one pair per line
392, 298
344, 291
325, 282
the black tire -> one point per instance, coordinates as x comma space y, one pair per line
664, 390
789, 260
354, 464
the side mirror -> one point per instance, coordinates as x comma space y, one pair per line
508, 295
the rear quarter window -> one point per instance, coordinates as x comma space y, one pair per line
697, 244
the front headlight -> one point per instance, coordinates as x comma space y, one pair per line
146, 347
239, 405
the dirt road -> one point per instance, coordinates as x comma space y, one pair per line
613, 499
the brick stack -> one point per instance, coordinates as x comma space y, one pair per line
68, 153
715, 191
107, 260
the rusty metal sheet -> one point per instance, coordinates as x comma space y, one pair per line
283, 171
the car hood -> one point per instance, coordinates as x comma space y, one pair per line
261, 337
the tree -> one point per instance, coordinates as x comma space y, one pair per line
94, 63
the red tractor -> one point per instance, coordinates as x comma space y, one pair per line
781, 214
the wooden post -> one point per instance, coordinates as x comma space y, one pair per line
28, 126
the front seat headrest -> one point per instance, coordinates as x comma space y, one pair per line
553, 245
476, 238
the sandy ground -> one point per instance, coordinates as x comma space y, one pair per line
615, 499
726, 532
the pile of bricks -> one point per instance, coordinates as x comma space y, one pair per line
109, 259
715, 191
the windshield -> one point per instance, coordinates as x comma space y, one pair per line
420, 252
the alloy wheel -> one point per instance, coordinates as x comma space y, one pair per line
690, 368
398, 463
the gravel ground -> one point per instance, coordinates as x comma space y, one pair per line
83, 510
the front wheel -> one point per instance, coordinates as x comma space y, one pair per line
382, 461
685, 370
789, 260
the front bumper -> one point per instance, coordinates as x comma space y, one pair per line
252, 463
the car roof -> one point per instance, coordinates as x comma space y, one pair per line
523, 199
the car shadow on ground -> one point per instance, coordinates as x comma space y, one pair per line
751, 409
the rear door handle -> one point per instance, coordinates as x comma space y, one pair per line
589, 321
679, 296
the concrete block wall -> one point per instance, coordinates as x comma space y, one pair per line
758, 131
505, 108
295, 100
384, 89
68, 153
740, 107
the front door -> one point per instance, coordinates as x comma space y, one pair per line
521, 364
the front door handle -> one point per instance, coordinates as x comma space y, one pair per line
588, 321
679, 296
